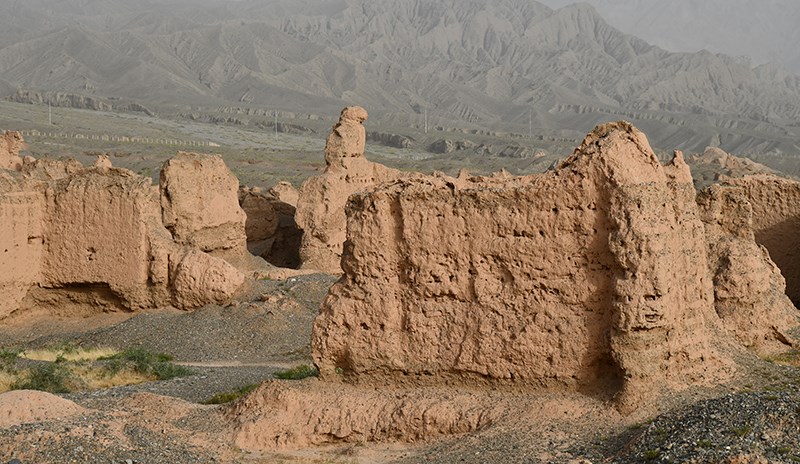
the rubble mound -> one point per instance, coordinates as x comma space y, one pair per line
27, 406
592, 277
10, 144
320, 209
776, 221
716, 165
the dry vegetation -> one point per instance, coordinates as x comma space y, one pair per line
64, 369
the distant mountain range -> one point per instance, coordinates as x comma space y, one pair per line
500, 64
763, 31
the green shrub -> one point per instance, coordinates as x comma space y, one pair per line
49, 377
223, 398
145, 362
297, 373
741, 431
652, 454
8, 359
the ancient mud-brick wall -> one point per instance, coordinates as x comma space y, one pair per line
591, 276
272, 232
21, 214
776, 222
749, 290
82, 238
10, 144
98, 229
200, 203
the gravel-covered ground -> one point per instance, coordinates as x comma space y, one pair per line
755, 419
763, 425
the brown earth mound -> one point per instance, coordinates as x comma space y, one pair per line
776, 221
27, 406
321, 207
714, 164
593, 276
289, 416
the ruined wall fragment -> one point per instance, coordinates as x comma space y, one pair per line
749, 290
591, 276
10, 144
272, 232
200, 204
21, 222
320, 209
75, 237
776, 221
97, 232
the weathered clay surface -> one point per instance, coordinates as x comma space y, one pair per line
262, 220
21, 221
776, 221
10, 144
591, 276
321, 208
279, 416
26, 406
749, 290
200, 203
285, 192
201, 279
93, 237
97, 229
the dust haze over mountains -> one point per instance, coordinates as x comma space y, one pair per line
761, 30
501, 65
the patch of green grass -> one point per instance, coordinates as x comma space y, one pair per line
705, 444
8, 359
223, 398
52, 377
650, 455
789, 358
784, 450
297, 373
146, 362
741, 431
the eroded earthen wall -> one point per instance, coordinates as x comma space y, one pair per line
200, 204
97, 229
776, 222
749, 290
321, 206
21, 222
591, 276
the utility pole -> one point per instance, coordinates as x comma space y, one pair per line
276, 124
49, 114
426, 119
530, 124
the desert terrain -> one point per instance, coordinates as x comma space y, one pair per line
424, 343
351, 231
